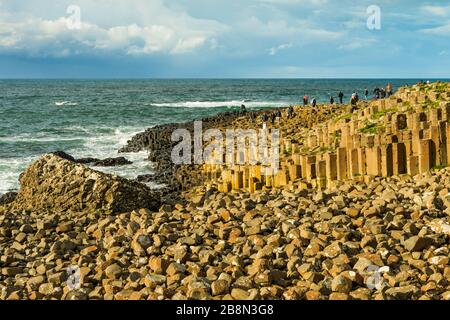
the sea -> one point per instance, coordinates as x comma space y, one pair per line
94, 118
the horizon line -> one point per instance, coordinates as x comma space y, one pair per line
227, 78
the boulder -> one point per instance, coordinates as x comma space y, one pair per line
56, 184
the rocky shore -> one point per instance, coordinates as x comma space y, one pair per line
157, 141
393, 234
383, 239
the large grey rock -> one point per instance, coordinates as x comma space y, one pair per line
55, 184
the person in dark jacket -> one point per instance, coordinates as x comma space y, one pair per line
376, 92
264, 119
341, 97
290, 112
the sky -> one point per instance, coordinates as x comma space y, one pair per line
224, 39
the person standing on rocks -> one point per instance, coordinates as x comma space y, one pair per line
278, 116
264, 119
290, 112
331, 100
376, 93
314, 102
273, 118
305, 100
341, 97
243, 109
353, 99
389, 90
366, 93
252, 117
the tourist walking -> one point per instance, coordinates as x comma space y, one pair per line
264, 119
252, 117
376, 93
389, 90
353, 100
366, 94
278, 116
305, 100
341, 97
290, 112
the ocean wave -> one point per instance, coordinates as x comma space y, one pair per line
65, 103
32, 139
220, 104
10, 169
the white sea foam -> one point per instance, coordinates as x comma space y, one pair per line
221, 104
10, 169
30, 138
65, 103
96, 145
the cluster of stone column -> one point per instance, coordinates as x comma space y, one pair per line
409, 134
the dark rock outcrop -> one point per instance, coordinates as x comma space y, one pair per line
109, 162
7, 198
64, 155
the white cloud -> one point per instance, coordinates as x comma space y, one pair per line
168, 32
357, 43
273, 51
285, 29
186, 45
296, 2
443, 30
442, 11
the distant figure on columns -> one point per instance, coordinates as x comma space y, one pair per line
389, 90
264, 119
341, 97
252, 117
305, 100
243, 109
290, 112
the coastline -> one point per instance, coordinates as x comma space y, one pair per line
292, 241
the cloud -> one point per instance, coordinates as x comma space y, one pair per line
36, 36
357, 43
443, 30
283, 28
222, 38
274, 50
297, 2
442, 11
